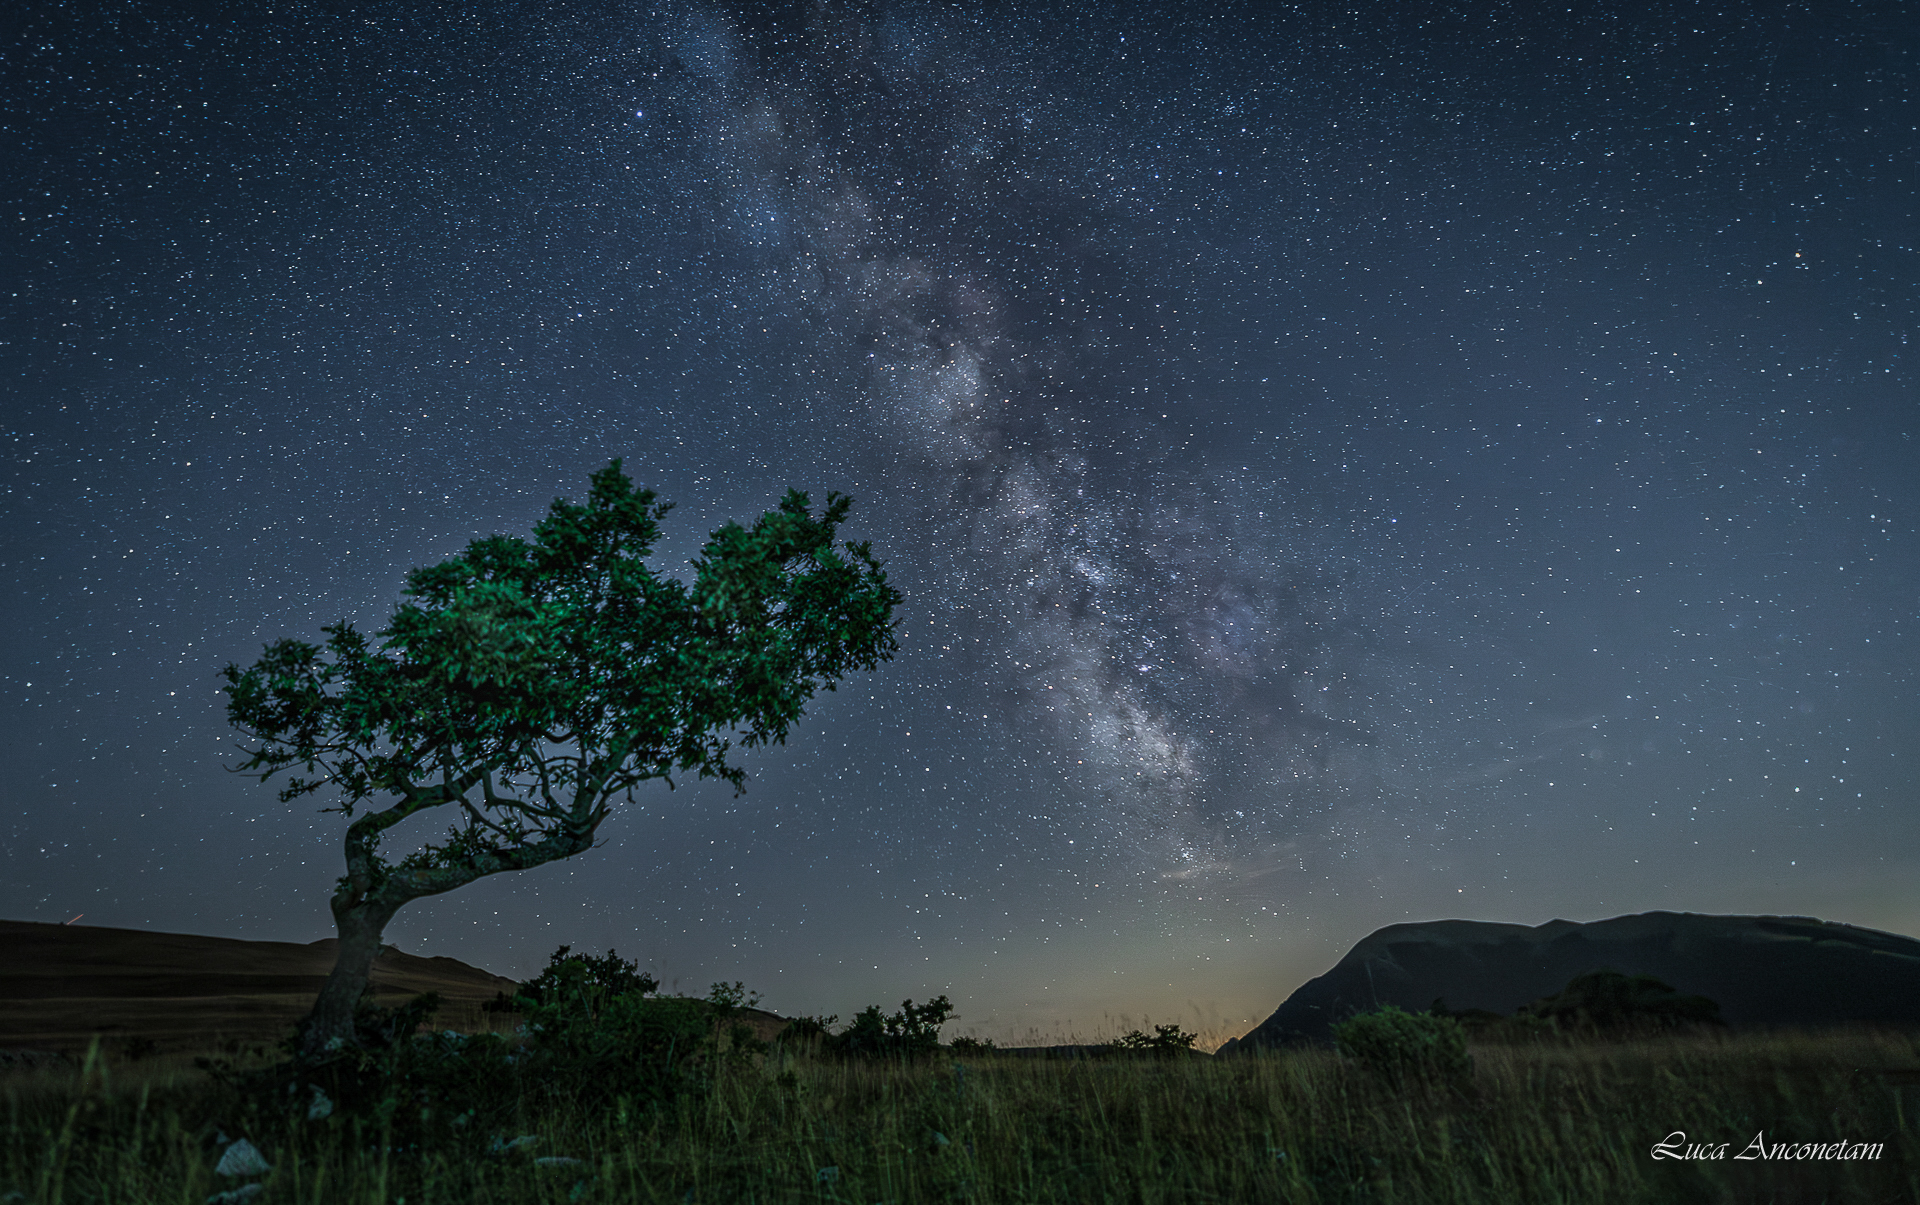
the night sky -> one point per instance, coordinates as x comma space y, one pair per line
1345, 464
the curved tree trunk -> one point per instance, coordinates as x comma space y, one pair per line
360, 924
366, 901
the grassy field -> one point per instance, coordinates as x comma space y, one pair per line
1536, 1124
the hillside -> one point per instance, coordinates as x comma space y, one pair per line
1763, 971
65, 983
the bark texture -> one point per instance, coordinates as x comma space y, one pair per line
360, 926
371, 894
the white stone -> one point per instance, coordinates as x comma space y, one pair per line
242, 1159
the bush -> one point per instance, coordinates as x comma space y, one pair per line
1406, 1048
1478, 1022
1166, 1040
808, 1032
419, 1088
1605, 1003
593, 1037
913, 1031
725, 1003
579, 978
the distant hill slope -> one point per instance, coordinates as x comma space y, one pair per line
1762, 970
62, 984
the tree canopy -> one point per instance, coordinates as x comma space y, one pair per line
528, 685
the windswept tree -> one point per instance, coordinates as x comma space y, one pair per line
527, 686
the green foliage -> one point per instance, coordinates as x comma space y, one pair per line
971, 1045
1406, 1048
593, 981
529, 683
807, 1033
1566, 1124
592, 1037
908, 1033
1165, 1040
734, 1038
594, 1034
647, 1050
732, 997
417, 1088
1610, 1003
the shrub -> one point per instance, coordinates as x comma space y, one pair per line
645, 1050
725, 1002
1166, 1040
1406, 1048
808, 1032
1478, 1022
419, 1088
914, 1030
1608, 1003
593, 1037
580, 978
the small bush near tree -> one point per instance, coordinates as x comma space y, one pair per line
592, 1037
592, 981
421, 1089
1405, 1048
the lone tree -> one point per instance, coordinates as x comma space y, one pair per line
526, 686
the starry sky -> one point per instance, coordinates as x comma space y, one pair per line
1344, 464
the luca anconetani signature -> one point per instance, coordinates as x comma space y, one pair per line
1676, 1146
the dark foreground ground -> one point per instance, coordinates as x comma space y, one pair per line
1819, 1117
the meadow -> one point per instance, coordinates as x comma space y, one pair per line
1534, 1122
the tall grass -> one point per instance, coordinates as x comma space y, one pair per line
1533, 1124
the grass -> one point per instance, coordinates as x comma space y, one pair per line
1535, 1124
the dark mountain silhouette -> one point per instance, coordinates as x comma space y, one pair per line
63, 985
1760, 970
60, 985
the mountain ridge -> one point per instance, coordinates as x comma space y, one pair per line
1763, 970
65, 984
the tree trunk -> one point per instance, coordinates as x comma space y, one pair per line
330, 1024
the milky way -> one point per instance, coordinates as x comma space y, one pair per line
919, 202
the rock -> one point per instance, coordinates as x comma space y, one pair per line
1761, 970
321, 1106
242, 1159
